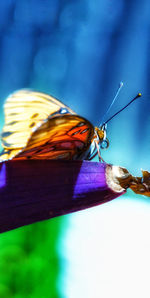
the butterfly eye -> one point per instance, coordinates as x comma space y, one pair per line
104, 144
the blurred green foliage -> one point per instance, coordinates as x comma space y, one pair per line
29, 263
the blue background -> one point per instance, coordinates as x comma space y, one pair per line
79, 51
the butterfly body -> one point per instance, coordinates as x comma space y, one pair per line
38, 126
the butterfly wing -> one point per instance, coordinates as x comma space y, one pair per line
62, 137
25, 111
35, 127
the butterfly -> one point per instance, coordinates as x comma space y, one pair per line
38, 126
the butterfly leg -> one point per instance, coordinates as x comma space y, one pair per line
98, 151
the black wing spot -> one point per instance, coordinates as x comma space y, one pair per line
75, 133
80, 124
35, 115
85, 130
5, 144
11, 123
32, 124
13, 114
6, 134
38, 151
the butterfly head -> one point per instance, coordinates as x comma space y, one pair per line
101, 133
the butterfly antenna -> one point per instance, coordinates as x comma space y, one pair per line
138, 95
114, 99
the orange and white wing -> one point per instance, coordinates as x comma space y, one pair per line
24, 111
62, 137
39, 126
